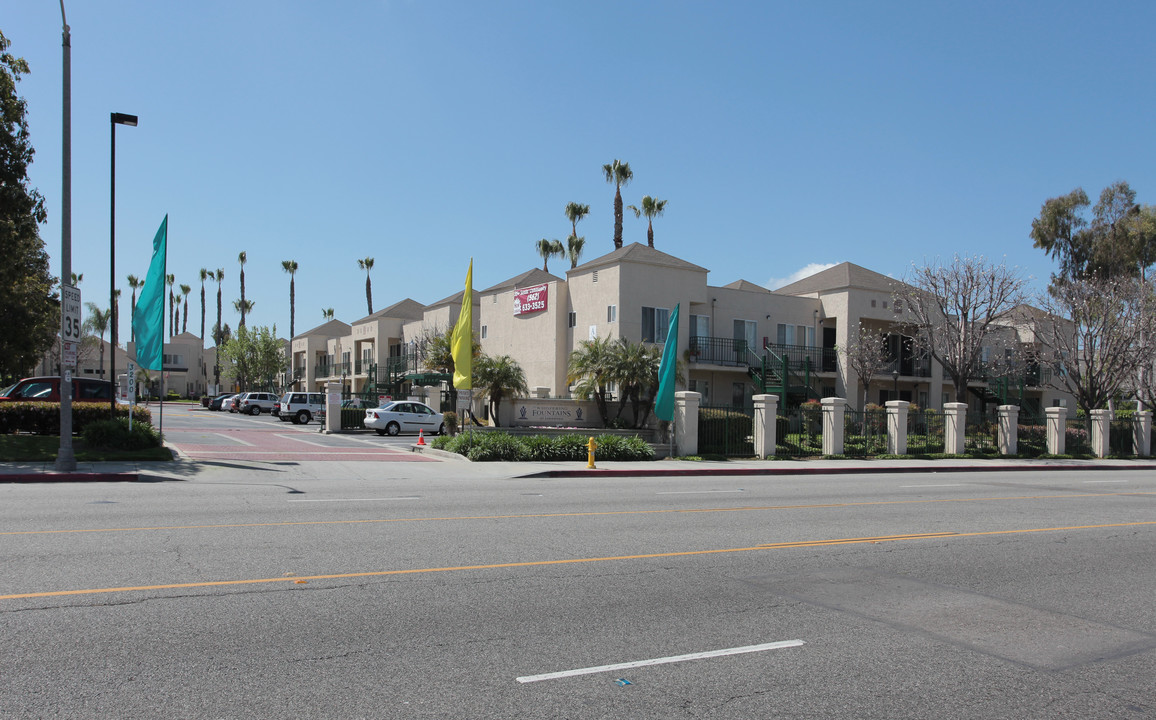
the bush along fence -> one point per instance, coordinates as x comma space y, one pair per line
43, 418
828, 428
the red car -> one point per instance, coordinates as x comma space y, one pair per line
47, 389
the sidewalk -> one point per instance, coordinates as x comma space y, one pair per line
455, 465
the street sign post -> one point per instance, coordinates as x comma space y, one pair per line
130, 388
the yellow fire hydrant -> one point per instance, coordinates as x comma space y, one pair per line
590, 448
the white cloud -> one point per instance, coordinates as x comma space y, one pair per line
806, 271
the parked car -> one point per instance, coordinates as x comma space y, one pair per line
215, 403
47, 389
404, 416
255, 403
229, 404
301, 407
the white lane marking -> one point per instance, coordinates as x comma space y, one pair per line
234, 439
1105, 481
914, 486
661, 661
303, 440
695, 492
415, 497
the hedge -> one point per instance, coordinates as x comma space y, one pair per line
43, 418
501, 446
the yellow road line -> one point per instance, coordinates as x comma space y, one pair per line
530, 516
570, 561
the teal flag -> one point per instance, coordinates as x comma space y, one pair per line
668, 371
149, 321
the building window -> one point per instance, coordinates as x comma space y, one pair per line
872, 303
572, 320
700, 326
741, 396
655, 323
611, 313
703, 388
485, 332
828, 391
747, 332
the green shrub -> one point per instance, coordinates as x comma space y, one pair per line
619, 448
117, 435
497, 446
43, 418
501, 446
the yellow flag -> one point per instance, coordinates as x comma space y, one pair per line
462, 341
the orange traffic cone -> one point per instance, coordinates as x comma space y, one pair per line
421, 437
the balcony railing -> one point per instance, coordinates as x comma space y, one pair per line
328, 370
909, 367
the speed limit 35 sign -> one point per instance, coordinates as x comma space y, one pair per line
70, 313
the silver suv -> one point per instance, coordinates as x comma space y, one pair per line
301, 407
255, 403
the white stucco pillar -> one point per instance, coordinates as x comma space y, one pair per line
1008, 429
834, 410
686, 422
897, 426
766, 424
954, 427
332, 407
1057, 429
540, 391
1100, 420
1142, 433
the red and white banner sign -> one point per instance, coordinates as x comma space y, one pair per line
531, 299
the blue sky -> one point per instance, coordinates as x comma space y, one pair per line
782, 135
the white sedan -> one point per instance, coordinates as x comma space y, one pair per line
404, 416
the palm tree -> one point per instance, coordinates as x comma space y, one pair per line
241, 258
367, 265
575, 212
218, 331
591, 370
98, 322
499, 377
327, 313
651, 208
205, 275
136, 284
290, 266
185, 290
619, 173
172, 281
574, 245
244, 307
548, 249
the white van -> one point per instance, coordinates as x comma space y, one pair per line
301, 407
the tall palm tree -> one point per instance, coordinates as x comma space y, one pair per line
76, 279
241, 258
367, 265
575, 212
574, 245
98, 322
136, 284
327, 313
172, 281
548, 249
618, 173
499, 377
651, 208
219, 276
205, 275
185, 290
244, 307
290, 266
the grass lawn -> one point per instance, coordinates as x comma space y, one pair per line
43, 448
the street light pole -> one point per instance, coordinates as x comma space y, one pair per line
895, 378
130, 120
65, 458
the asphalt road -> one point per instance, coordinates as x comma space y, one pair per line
422, 590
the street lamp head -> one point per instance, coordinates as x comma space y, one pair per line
124, 119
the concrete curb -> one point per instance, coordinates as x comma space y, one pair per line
827, 470
52, 477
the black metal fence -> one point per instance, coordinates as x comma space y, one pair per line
799, 433
727, 431
865, 432
925, 432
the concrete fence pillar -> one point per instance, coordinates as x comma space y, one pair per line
834, 410
686, 422
1142, 433
897, 426
1100, 421
1008, 429
1057, 429
766, 424
332, 407
954, 427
